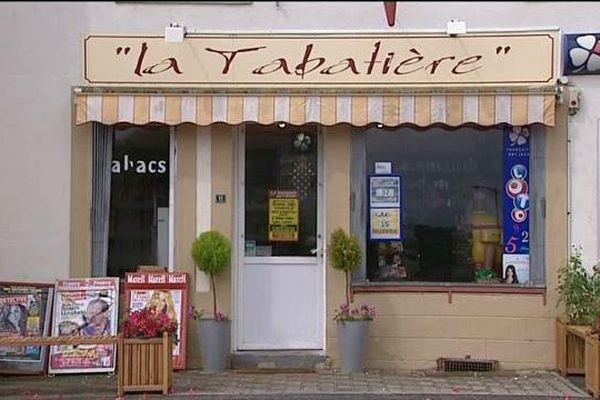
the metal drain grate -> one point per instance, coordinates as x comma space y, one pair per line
466, 364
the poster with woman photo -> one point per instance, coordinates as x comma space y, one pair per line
515, 268
167, 293
25, 310
87, 307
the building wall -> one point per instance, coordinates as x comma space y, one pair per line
583, 169
185, 219
44, 224
80, 265
338, 154
42, 60
412, 330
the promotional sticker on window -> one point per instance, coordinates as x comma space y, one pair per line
250, 248
385, 224
384, 191
515, 268
283, 216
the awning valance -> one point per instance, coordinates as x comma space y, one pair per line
358, 110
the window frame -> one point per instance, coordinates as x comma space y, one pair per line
358, 226
99, 246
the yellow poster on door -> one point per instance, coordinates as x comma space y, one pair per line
284, 216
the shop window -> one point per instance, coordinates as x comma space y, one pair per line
130, 224
447, 223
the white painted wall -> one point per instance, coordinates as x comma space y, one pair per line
41, 60
40, 53
583, 168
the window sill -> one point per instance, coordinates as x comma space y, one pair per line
449, 288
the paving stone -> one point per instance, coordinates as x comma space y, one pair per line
326, 385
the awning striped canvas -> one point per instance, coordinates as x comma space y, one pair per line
359, 110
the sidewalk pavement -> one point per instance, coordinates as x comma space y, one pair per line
328, 385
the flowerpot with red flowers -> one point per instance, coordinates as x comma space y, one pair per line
211, 252
145, 352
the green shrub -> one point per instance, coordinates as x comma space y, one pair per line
211, 251
485, 275
345, 255
579, 291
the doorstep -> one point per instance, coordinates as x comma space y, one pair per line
278, 360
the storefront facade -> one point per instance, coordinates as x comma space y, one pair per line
296, 132
278, 139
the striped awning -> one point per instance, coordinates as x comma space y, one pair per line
390, 110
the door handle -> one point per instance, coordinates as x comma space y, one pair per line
317, 252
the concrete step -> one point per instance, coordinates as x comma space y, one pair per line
279, 360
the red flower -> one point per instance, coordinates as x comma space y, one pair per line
148, 323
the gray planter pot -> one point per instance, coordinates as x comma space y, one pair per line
353, 337
214, 344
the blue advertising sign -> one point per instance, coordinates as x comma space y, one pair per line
516, 190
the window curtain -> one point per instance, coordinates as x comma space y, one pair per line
101, 178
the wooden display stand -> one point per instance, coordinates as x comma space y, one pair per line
145, 365
592, 365
578, 352
570, 347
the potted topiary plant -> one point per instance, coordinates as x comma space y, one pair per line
211, 252
352, 323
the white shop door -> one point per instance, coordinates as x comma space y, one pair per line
280, 280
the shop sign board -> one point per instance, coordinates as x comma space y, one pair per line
25, 310
167, 292
84, 307
284, 216
385, 61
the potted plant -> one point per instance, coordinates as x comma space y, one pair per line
576, 291
145, 351
579, 293
211, 252
352, 323
486, 275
